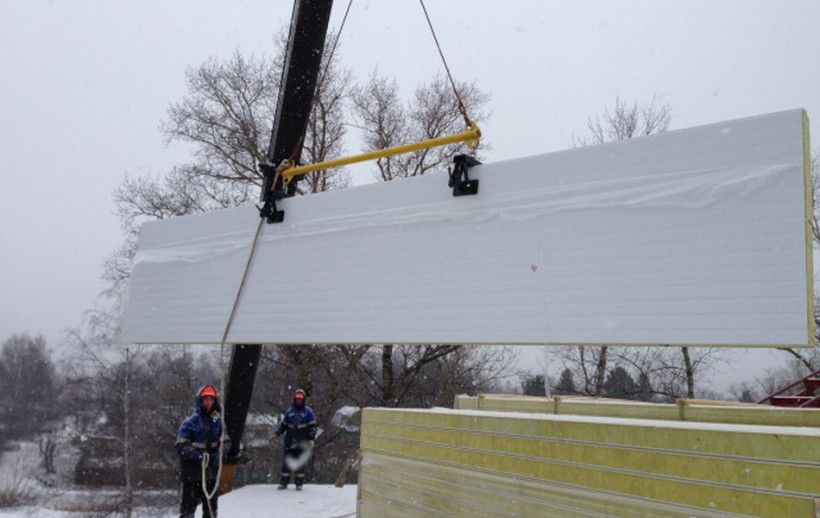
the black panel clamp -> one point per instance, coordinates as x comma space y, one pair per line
267, 207
459, 179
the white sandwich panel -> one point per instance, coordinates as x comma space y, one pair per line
691, 237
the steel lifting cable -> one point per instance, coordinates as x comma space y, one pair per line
320, 82
461, 107
330, 57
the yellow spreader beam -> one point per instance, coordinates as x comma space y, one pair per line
469, 136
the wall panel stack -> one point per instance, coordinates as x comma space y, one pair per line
468, 463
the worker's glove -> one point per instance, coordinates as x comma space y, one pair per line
311, 443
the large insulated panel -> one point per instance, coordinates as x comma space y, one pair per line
692, 237
479, 463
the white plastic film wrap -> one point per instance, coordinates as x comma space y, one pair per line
693, 237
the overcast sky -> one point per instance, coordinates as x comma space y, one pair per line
84, 86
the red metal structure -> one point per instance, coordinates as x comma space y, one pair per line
803, 393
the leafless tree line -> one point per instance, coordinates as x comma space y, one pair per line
660, 373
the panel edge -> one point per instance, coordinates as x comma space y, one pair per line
809, 216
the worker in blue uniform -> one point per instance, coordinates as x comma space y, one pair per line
298, 425
198, 448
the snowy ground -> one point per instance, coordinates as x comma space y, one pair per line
315, 501
54, 498
84, 504
265, 501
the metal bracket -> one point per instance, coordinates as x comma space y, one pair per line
459, 179
267, 207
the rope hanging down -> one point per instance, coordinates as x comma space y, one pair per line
470, 136
228, 325
241, 289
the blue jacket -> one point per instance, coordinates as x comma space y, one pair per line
199, 434
298, 425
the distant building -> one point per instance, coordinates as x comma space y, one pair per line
261, 448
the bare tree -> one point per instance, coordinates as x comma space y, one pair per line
326, 125
385, 122
228, 107
47, 446
433, 112
624, 122
469, 370
176, 374
772, 380
227, 117
28, 384
688, 372
670, 372
661, 372
116, 369
587, 365
396, 375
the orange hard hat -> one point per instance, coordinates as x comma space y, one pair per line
207, 390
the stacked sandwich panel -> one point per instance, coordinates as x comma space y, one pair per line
485, 463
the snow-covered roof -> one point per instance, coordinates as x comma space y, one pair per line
347, 418
261, 420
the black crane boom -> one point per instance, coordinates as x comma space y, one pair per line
300, 74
